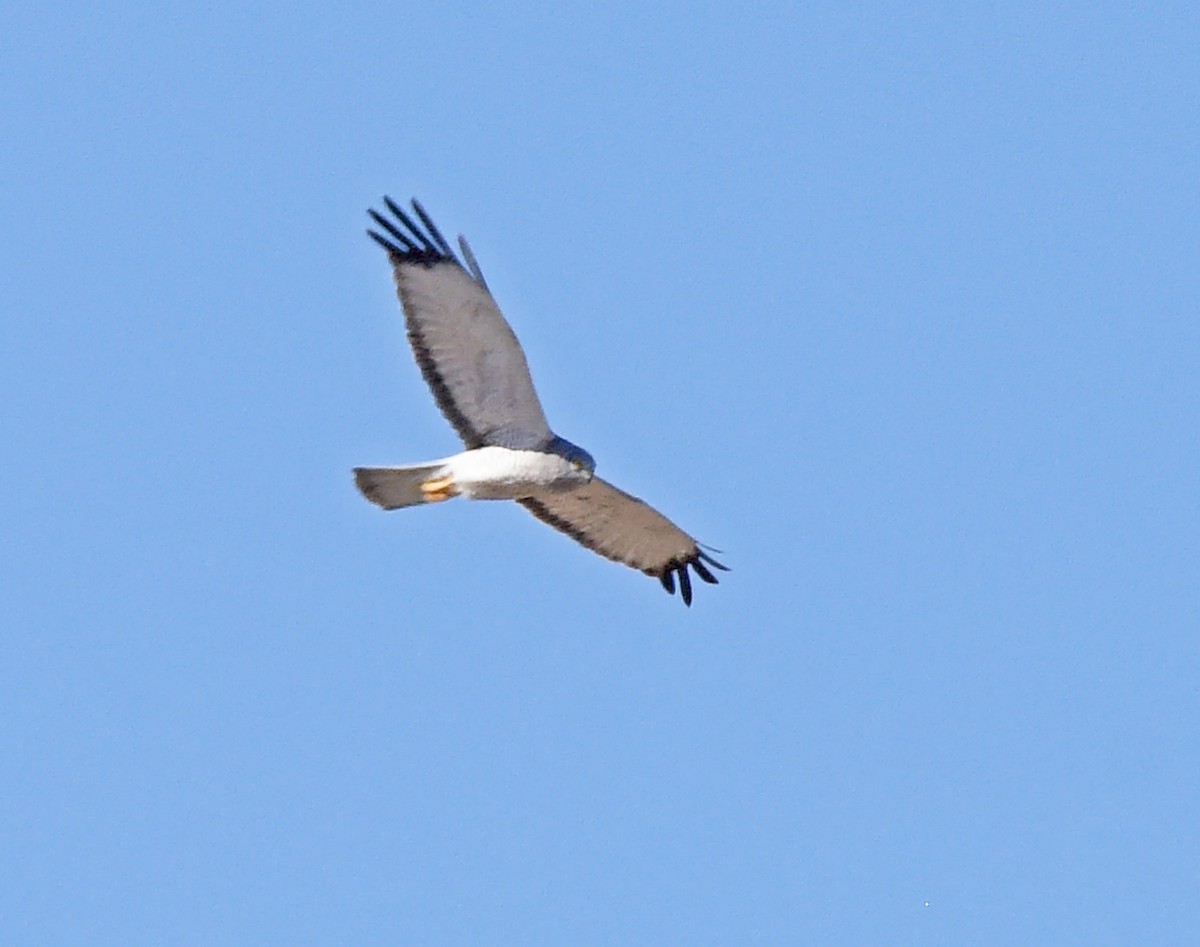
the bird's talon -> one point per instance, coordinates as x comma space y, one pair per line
435, 491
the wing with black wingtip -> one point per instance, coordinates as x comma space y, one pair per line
627, 530
467, 353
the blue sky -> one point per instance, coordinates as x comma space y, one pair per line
895, 305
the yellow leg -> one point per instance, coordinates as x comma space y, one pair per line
437, 490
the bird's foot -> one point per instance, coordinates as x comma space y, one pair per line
435, 491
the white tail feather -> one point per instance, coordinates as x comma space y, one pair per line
396, 487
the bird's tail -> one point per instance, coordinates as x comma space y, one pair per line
396, 487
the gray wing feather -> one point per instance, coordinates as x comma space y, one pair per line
627, 530
467, 353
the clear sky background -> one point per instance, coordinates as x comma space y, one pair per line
894, 304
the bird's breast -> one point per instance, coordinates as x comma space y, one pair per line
500, 473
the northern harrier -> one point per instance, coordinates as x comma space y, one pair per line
474, 365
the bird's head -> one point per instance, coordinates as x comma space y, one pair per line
580, 460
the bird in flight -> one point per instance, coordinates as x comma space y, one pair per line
474, 366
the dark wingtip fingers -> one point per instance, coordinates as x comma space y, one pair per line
677, 571
406, 240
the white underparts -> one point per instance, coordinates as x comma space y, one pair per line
498, 473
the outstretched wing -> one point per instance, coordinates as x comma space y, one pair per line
627, 530
467, 353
